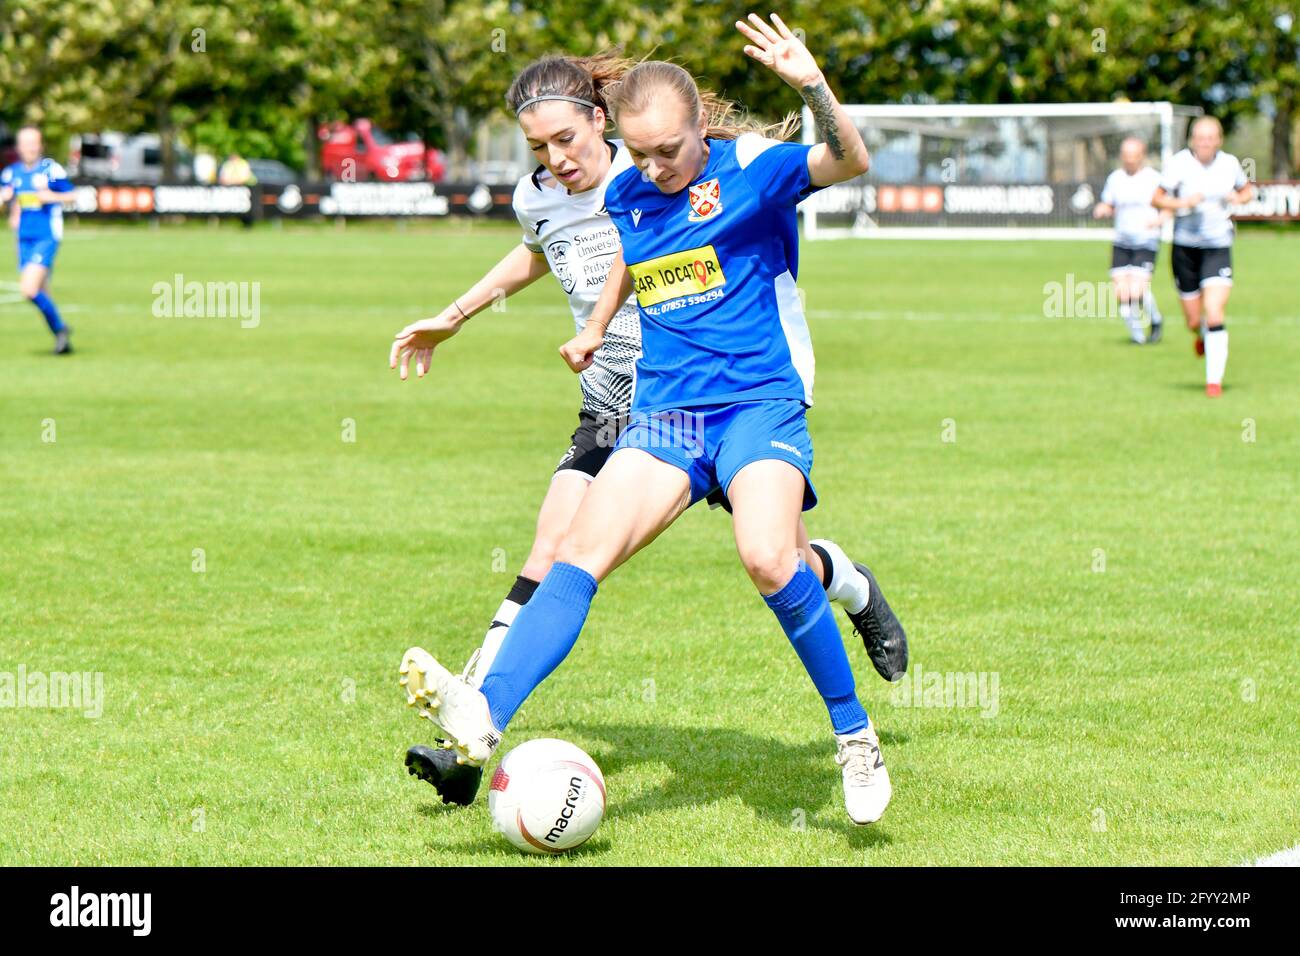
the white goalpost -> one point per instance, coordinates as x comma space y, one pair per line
1024, 171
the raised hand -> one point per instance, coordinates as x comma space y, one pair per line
780, 51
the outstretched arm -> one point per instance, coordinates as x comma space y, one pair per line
518, 269
842, 154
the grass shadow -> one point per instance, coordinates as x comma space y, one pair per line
1194, 386
780, 782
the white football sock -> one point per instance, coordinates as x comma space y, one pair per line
1216, 355
492, 641
848, 585
1152, 309
1132, 316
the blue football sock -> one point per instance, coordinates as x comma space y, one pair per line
806, 617
544, 631
49, 310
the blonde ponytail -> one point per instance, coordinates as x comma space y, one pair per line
645, 82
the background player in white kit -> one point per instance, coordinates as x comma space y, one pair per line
1127, 196
1201, 184
567, 232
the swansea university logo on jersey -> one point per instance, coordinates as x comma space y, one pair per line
559, 251
676, 275
706, 200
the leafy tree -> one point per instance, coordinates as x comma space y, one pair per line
260, 76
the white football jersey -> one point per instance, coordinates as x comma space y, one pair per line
1209, 224
1136, 220
580, 242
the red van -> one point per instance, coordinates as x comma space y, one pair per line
361, 152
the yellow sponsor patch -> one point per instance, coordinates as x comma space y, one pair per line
29, 201
676, 275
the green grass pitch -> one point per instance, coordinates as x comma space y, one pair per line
1117, 551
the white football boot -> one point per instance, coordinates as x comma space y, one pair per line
471, 668
459, 711
866, 781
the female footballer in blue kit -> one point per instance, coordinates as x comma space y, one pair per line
561, 209
37, 188
709, 233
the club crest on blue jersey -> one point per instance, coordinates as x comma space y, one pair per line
706, 200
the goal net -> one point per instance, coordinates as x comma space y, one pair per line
988, 172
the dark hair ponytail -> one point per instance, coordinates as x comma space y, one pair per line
582, 77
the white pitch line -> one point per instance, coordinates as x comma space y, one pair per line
882, 315
10, 294
858, 315
1289, 857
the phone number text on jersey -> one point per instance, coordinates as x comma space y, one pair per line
684, 302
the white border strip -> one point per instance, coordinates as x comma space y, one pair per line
963, 232
1150, 108
1289, 857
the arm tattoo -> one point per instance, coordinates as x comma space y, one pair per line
822, 104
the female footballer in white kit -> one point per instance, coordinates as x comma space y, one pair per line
1127, 196
1201, 184
567, 232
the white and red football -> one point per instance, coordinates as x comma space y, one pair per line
547, 796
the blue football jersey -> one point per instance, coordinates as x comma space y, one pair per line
41, 221
714, 270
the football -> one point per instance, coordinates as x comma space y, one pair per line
547, 796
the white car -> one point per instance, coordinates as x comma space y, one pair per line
119, 157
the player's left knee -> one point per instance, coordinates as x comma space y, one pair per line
594, 557
769, 565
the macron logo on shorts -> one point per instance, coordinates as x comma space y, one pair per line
790, 448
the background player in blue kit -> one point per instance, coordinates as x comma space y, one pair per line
37, 187
708, 229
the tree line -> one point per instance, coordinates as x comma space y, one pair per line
259, 76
